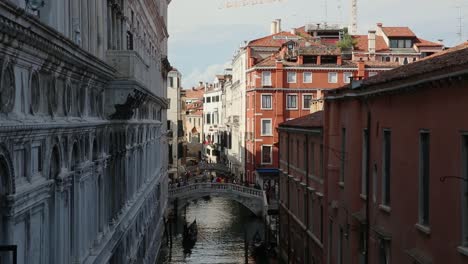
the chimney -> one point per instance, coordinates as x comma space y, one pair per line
379, 29
273, 27
293, 31
371, 42
278, 25
440, 41
361, 68
200, 83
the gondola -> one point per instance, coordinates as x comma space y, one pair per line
189, 237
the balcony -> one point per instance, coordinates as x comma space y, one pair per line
129, 65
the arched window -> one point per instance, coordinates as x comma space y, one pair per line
67, 100
405, 61
95, 150
54, 163
35, 93
4, 176
75, 160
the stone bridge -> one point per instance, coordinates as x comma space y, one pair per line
255, 200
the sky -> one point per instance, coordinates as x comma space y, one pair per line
204, 34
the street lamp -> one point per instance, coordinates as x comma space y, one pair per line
34, 5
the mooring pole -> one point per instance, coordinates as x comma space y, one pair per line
246, 249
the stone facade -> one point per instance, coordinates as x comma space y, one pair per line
175, 123
82, 126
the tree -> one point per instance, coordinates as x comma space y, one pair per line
347, 41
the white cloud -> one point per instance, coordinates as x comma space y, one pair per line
206, 75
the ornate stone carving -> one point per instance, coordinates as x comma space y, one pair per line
7, 90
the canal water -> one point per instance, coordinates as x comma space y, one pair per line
222, 227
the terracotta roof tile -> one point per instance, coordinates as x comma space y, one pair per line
398, 32
362, 43
314, 120
195, 92
275, 40
425, 43
444, 62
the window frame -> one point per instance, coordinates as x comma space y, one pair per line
346, 79
421, 195
303, 101
386, 168
261, 101
311, 77
291, 73
268, 83
364, 156
261, 127
336, 76
287, 102
271, 154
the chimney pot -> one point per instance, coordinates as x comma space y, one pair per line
379, 24
278, 25
273, 27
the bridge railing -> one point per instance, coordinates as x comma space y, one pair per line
216, 186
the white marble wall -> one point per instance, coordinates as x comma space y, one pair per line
78, 185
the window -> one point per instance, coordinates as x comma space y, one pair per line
291, 77
129, 40
291, 101
364, 169
307, 77
266, 127
36, 159
306, 99
384, 252
20, 164
372, 74
347, 76
424, 178
216, 98
343, 155
332, 77
266, 154
247, 102
386, 165
208, 118
321, 223
266, 78
408, 43
312, 158
330, 241
405, 61
465, 190
340, 247
266, 101
321, 161
208, 99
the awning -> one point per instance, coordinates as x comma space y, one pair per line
267, 173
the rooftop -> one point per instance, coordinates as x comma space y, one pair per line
445, 62
314, 120
398, 32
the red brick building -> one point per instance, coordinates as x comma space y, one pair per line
396, 178
286, 76
302, 206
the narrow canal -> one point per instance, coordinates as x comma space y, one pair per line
222, 226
